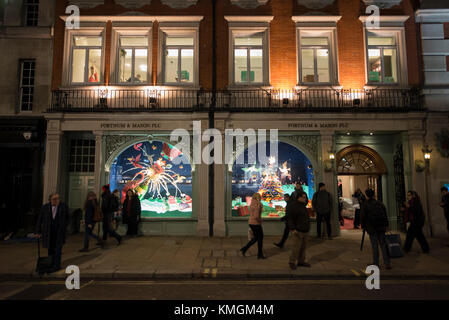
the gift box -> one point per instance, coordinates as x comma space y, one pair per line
248, 200
243, 211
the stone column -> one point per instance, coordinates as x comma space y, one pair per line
99, 162
52, 159
328, 177
202, 181
419, 178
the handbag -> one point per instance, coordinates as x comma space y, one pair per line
394, 247
98, 214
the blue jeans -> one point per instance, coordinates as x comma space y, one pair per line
378, 239
88, 233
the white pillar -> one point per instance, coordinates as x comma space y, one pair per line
202, 172
220, 201
52, 159
99, 162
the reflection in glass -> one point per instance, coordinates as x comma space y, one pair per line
241, 65
78, 65
308, 65
171, 65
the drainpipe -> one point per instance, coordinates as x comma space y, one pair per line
212, 119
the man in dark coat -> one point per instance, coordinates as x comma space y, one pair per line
299, 225
52, 227
374, 219
322, 204
108, 211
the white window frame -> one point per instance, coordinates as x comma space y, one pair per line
186, 29
22, 62
88, 31
318, 27
247, 26
120, 30
389, 26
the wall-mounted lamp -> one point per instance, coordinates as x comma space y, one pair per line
27, 135
427, 152
103, 93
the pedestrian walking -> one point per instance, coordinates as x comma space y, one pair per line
90, 206
51, 226
298, 191
255, 223
322, 205
445, 204
414, 214
299, 225
374, 220
116, 207
358, 200
108, 211
131, 213
287, 199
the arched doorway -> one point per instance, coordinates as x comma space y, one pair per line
358, 167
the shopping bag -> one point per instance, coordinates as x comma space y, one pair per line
394, 245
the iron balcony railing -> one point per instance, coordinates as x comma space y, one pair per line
391, 99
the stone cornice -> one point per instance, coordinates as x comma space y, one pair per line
432, 15
138, 18
316, 18
265, 19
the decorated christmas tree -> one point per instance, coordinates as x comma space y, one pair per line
271, 186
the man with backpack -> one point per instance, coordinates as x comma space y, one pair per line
374, 221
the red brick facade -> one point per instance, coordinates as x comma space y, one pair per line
283, 50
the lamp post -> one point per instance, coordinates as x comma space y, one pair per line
427, 152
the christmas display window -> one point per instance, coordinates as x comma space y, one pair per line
163, 185
272, 180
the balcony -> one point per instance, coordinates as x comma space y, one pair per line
105, 99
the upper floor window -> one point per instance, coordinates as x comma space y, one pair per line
315, 60
133, 59
248, 59
382, 59
86, 59
31, 12
27, 68
179, 60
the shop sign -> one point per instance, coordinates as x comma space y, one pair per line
318, 125
130, 125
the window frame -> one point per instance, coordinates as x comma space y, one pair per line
119, 30
98, 31
179, 48
21, 85
319, 32
86, 60
368, 47
26, 7
237, 32
187, 29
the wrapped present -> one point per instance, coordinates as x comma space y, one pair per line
279, 208
171, 200
243, 211
248, 200
311, 212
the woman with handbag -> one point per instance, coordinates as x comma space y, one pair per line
414, 214
255, 223
92, 211
131, 212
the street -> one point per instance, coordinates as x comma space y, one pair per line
285, 289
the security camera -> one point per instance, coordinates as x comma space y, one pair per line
27, 135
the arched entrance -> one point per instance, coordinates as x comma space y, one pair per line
358, 167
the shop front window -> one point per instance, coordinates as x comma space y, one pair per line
272, 181
86, 59
163, 185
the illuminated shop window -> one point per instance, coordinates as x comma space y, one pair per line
179, 59
272, 180
133, 59
382, 59
31, 12
159, 174
27, 69
315, 60
248, 59
82, 155
86, 59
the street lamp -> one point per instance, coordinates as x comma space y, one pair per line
427, 155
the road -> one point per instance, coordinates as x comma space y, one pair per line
293, 289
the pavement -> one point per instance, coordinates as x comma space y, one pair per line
157, 257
